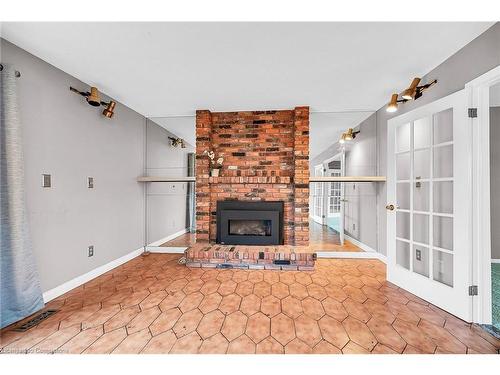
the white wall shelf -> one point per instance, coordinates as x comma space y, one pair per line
348, 179
165, 179
311, 179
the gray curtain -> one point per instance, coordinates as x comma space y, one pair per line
20, 291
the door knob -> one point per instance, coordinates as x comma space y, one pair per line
390, 207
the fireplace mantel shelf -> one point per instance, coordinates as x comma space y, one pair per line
262, 180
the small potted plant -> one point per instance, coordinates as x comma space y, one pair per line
215, 163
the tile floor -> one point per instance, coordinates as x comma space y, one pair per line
154, 305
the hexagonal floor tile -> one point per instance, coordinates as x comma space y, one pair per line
269, 346
298, 291
280, 290
191, 302
241, 345
210, 302
230, 303
244, 288
297, 346
227, 287
262, 289
234, 325
270, 306
282, 329
258, 327
217, 344
210, 286
307, 330
165, 321
172, 300
313, 308
188, 344
210, 324
187, 323
316, 291
250, 304
334, 308
333, 331
291, 306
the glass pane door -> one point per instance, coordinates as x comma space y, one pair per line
424, 191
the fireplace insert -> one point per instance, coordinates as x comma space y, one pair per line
249, 223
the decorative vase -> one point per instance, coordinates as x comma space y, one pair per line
215, 172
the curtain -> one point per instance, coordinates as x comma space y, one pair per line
20, 291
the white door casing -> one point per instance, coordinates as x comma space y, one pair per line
478, 96
429, 183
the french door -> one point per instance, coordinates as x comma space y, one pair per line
318, 201
429, 244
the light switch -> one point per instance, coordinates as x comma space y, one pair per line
90, 182
46, 181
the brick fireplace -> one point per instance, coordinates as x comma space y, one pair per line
266, 158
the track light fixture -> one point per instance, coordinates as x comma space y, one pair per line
349, 135
413, 92
176, 142
94, 99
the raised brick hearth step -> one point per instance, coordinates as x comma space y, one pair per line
285, 258
249, 180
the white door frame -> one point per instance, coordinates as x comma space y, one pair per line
478, 96
456, 300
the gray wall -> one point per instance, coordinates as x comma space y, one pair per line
361, 205
166, 202
476, 58
65, 137
360, 220
495, 180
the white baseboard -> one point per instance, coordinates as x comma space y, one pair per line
77, 281
495, 261
168, 238
351, 255
359, 244
166, 250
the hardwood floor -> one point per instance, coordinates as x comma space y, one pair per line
186, 239
153, 304
321, 238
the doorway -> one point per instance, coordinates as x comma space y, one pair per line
484, 100
428, 212
326, 227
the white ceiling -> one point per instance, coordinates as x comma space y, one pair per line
171, 69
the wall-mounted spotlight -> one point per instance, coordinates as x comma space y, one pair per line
411, 93
176, 142
349, 135
94, 99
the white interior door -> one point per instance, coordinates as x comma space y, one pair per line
429, 244
317, 193
342, 199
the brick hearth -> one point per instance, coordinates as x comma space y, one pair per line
266, 158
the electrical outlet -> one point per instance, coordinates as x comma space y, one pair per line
91, 250
418, 254
90, 182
